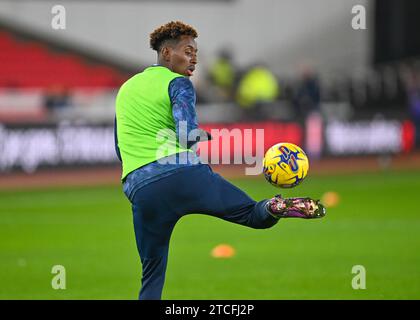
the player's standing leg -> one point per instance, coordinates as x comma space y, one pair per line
153, 224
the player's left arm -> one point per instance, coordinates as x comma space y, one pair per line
183, 99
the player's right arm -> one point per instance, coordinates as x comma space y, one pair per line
117, 149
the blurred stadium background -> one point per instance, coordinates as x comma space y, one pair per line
296, 69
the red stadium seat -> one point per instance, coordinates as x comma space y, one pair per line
33, 64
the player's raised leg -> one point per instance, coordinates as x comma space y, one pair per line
213, 195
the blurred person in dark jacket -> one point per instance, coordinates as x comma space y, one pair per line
413, 97
56, 97
307, 100
308, 94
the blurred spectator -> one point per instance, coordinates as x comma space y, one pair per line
307, 102
222, 75
308, 94
56, 98
413, 96
257, 87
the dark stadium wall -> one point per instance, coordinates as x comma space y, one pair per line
397, 25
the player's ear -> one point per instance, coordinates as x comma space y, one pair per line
166, 53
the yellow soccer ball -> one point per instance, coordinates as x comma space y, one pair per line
285, 165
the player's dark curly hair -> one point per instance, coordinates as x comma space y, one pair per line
171, 31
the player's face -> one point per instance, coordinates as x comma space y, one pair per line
183, 57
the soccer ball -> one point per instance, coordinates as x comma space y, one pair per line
285, 165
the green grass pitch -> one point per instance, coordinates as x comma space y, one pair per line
89, 231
